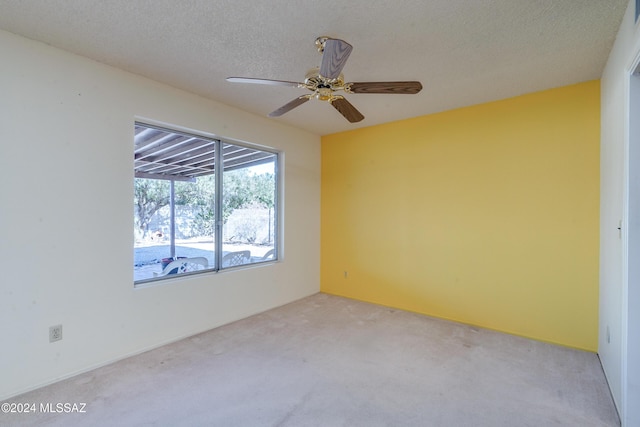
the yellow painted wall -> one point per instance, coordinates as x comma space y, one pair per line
486, 215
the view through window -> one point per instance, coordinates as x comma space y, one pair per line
200, 204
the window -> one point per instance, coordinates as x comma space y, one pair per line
200, 204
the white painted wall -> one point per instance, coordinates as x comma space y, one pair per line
615, 85
66, 191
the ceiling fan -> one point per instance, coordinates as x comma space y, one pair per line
326, 80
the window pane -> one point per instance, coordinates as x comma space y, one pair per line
248, 209
151, 201
192, 228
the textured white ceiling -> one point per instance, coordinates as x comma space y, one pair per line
464, 52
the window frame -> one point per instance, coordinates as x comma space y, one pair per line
218, 173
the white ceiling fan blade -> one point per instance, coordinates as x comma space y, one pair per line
264, 81
334, 57
289, 106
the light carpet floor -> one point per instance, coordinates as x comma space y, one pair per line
330, 361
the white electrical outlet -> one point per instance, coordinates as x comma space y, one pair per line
55, 333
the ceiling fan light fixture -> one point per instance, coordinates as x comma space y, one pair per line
324, 94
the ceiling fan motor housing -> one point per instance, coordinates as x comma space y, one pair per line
322, 86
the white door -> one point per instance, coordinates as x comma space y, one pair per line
631, 315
